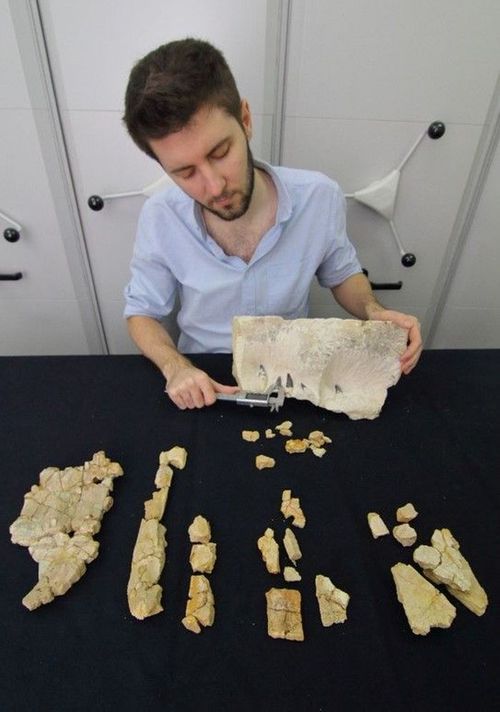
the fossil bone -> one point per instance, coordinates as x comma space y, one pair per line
284, 619
59, 517
343, 365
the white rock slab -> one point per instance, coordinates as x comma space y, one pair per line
343, 365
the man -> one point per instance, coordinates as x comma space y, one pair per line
236, 236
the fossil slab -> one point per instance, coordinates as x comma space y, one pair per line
343, 365
59, 517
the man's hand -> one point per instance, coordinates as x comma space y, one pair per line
410, 357
190, 387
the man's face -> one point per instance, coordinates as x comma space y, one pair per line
210, 160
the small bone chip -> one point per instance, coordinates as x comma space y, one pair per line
406, 513
292, 546
331, 600
376, 524
318, 439
199, 531
250, 436
176, 456
263, 462
203, 557
405, 534
290, 507
453, 570
200, 605
284, 619
297, 445
164, 476
270, 434
285, 425
318, 451
425, 607
291, 574
269, 549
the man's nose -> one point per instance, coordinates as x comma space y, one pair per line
214, 182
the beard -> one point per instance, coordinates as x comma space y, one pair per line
234, 212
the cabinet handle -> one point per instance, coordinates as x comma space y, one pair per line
11, 234
11, 277
383, 285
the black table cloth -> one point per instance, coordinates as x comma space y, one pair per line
436, 444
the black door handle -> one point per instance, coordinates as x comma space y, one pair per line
383, 285
11, 277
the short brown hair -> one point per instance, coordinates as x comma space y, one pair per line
168, 86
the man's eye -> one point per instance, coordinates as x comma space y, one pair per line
185, 174
221, 152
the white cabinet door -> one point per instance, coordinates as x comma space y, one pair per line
364, 81
40, 312
93, 46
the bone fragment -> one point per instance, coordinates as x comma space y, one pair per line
317, 438
318, 451
343, 365
292, 546
203, 557
269, 549
164, 476
331, 600
291, 574
290, 507
199, 531
284, 619
285, 425
148, 558
176, 456
297, 445
425, 607
405, 534
269, 433
58, 519
406, 513
200, 609
447, 565
263, 462
377, 525
250, 436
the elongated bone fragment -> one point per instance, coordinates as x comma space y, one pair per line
425, 607
58, 520
343, 365
443, 563
331, 600
148, 558
291, 545
284, 617
269, 548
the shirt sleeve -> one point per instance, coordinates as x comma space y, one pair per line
152, 289
340, 260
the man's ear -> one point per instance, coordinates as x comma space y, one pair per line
246, 118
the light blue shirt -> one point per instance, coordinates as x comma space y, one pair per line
174, 254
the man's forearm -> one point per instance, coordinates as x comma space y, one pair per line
355, 295
156, 344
